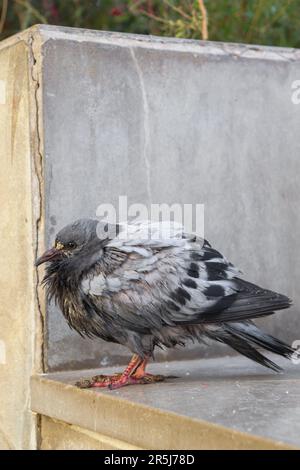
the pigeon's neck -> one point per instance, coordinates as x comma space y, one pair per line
81, 265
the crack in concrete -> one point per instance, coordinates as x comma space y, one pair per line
145, 123
38, 168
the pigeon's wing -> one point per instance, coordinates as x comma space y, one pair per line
179, 279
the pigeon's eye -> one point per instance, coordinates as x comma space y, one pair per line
71, 245
59, 245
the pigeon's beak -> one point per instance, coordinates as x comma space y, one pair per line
49, 255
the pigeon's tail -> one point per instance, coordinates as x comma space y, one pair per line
245, 337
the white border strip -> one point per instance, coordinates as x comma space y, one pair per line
171, 44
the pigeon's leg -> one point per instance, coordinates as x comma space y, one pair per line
140, 371
127, 378
103, 381
144, 377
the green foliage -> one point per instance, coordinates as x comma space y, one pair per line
272, 22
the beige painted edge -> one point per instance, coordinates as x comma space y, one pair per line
32, 91
33, 40
140, 425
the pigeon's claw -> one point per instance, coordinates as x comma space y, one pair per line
106, 378
84, 383
98, 381
134, 380
152, 378
104, 381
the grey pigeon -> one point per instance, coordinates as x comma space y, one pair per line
141, 287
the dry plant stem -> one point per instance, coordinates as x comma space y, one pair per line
204, 29
279, 13
153, 17
254, 20
3, 14
178, 10
26, 4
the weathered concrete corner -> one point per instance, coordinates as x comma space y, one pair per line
20, 155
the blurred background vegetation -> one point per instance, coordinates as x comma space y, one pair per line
270, 22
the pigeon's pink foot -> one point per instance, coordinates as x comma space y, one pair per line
134, 374
117, 381
138, 377
145, 378
103, 381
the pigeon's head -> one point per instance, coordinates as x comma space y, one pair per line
72, 240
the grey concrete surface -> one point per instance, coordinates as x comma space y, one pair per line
163, 120
231, 392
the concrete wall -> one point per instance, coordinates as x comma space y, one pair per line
19, 319
163, 120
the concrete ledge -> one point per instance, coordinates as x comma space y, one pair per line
57, 435
211, 406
